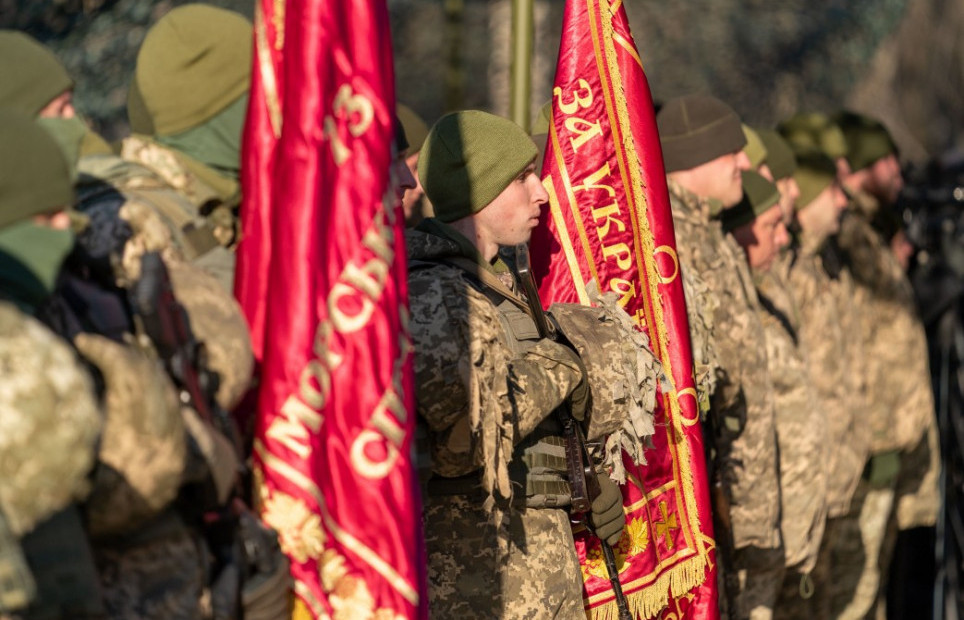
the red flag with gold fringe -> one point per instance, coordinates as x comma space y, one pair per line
609, 221
322, 279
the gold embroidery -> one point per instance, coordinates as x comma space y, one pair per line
664, 527
299, 529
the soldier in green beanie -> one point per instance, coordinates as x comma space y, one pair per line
900, 490
187, 105
780, 164
702, 141
757, 222
499, 540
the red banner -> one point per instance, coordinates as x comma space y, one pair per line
322, 279
609, 221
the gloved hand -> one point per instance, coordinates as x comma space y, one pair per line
143, 438
607, 515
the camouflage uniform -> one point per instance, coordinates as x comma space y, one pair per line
485, 387
742, 406
801, 434
835, 370
900, 413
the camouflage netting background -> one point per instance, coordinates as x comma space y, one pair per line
900, 60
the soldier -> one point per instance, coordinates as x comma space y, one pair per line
187, 105
702, 141
414, 205
901, 407
497, 528
828, 342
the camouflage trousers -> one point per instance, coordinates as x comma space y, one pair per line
804, 597
760, 573
535, 577
856, 573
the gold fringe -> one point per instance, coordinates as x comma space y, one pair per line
649, 601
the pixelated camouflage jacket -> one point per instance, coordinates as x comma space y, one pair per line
479, 387
742, 405
901, 403
801, 426
833, 353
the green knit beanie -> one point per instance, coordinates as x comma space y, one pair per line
780, 158
813, 131
815, 173
34, 177
30, 74
867, 139
468, 158
759, 195
194, 62
415, 128
695, 129
755, 150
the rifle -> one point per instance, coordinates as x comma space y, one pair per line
582, 476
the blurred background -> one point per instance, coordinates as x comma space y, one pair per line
899, 60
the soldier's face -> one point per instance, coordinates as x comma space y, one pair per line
789, 192
412, 194
822, 215
61, 106
511, 216
885, 180
763, 238
719, 178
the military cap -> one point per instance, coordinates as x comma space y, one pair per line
755, 150
815, 172
30, 74
867, 139
34, 175
415, 128
695, 129
759, 195
468, 158
780, 158
813, 131
194, 62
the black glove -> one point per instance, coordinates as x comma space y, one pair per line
607, 516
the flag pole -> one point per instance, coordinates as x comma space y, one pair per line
520, 70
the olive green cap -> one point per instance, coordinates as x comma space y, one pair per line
194, 62
780, 158
755, 150
867, 139
759, 195
813, 131
34, 176
815, 173
30, 74
468, 158
540, 126
695, 129
415, 128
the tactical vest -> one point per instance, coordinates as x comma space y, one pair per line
538, 461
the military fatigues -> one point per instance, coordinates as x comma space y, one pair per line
742, 404
485, 381
802, 439
900, 414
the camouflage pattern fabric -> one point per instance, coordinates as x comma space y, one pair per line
809, 596
483, 383
700, 309
49, 422
801, 428
760, 573
467, 577
742, 402
830, 350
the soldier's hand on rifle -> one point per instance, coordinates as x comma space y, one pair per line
607, 515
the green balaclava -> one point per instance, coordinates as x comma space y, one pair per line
815, 173
194, 63
808, 132
30, 74
755, 150
216, 142
34, 179
468, 158
415, 128
867, 139
780, 158
695, 129
759, 195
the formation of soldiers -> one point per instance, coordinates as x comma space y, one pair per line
811, 362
